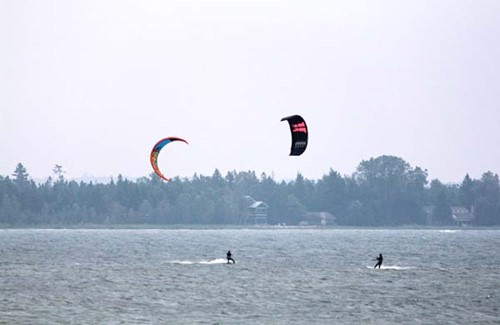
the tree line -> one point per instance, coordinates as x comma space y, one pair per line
383, 191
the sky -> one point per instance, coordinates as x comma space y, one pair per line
93, 85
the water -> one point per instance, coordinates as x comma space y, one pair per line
282, 276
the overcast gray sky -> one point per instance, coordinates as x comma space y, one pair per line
93, 85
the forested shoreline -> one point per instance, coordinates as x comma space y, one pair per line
383, 192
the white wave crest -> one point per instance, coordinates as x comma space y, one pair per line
204, 262
392, 267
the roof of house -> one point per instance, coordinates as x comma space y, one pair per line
258, 204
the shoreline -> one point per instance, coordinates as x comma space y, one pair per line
232, 227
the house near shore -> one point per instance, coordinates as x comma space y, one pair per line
461, 216
255, 212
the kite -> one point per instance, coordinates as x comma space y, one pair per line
300, 134
156, 151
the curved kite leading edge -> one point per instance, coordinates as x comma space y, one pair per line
300, 134
156, 151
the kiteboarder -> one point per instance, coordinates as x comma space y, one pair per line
380, 259
229, 258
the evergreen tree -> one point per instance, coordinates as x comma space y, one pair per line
466, 195
21, 175
59, 173
487, 205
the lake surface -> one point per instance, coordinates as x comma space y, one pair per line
282, 276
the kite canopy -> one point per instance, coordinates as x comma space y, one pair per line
300, 134
156, 151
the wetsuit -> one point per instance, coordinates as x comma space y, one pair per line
380, 259
229, 258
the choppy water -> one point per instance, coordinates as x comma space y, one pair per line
282, 276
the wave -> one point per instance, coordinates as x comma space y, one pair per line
204, 262
393, 267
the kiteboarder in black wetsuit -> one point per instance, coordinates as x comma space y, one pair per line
229, 258
380, 259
